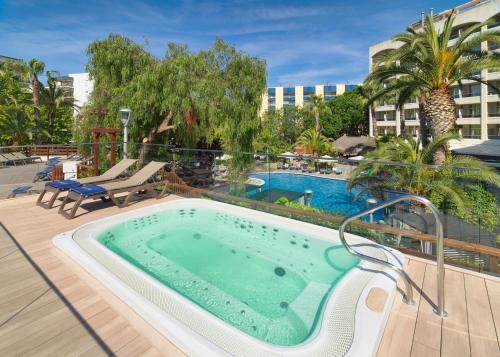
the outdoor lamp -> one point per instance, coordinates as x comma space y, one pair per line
125, 116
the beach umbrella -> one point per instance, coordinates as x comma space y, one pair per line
287, 155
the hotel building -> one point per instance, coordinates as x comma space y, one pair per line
82, 86
278, 97
477, 105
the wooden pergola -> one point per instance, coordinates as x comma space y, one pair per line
96, 134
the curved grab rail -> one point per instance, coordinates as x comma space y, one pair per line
408, 298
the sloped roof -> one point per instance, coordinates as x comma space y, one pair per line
354, 145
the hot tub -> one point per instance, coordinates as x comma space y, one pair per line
219, 279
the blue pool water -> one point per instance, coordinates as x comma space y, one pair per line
328, 194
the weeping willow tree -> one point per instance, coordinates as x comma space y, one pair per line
187, 98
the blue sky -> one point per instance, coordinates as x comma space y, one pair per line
303, 42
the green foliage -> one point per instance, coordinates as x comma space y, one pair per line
446, 187
187, 98
280, 129
15, 125
484, 209
346, 115
19, 109
425, 63
317, 143
282, 201
57, 105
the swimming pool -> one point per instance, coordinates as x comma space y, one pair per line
216, 278
328, 194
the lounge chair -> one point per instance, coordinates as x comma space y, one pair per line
46, 173
135, 184
13, 159
56, 187
31, 159
338, 170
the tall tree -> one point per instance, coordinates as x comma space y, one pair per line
369, 92
54, 97
318, 105
187, 97
347, 114
316, 142
35, 68
429, 62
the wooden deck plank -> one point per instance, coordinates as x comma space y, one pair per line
427, 337
493, 289
483, 337
402, 320
410, 330
455, 327
135, 347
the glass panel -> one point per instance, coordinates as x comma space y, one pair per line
319, 190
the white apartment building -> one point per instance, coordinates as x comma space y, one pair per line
278, 97
82, 87
478, 107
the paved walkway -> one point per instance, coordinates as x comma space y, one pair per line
22, 175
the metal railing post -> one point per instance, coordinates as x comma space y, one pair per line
408, 297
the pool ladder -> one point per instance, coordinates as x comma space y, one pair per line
408, 297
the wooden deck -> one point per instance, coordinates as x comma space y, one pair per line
51, 306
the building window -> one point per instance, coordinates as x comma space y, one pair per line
289, 96
411, 114
330, 92
386, 116
411, 130
469, 111
350, 87
473, 90
494, 109
491, 90
494, 131
471, 131
271, 98
309, 90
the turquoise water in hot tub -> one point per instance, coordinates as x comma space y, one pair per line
267, 281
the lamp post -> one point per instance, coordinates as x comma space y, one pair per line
125, 116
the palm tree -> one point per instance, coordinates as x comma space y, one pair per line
15, 124
54, 97
318, 106
427, 62
369, 91
314, 141
445, 186
35, 68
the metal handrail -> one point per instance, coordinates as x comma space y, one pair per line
408, 297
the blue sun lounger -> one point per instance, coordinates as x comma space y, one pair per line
56, 187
